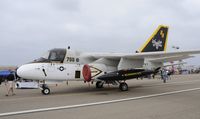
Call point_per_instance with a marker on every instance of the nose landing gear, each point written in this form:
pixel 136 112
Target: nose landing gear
pixel 45 90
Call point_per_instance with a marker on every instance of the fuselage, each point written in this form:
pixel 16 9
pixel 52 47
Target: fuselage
pixel 66 65
pixel 60 65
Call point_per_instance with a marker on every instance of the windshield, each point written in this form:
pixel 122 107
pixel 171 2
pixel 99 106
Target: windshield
pixel 45 55
pixel 57 55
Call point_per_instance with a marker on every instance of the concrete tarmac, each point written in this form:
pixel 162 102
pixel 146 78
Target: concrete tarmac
pixel 151 99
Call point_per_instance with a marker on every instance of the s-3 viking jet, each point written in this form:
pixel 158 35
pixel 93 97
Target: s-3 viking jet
pixel 59 65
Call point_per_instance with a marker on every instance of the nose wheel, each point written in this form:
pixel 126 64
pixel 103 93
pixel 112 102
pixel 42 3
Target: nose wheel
pixel 45 90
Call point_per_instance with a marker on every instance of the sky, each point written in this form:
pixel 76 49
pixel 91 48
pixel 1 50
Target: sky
pixel 28 28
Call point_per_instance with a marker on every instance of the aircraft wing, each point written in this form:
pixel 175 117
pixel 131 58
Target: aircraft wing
pixel 166 54
pixel 152 56
pixel 170 58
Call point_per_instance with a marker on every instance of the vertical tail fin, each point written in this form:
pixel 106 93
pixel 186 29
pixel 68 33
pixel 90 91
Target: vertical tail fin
pixel 157 41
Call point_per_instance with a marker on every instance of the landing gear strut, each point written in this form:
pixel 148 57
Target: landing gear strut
pixel 99 84
pixel 123 86
pixel 45 90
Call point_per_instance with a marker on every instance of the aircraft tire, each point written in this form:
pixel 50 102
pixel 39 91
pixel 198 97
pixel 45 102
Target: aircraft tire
pixel 99 84
pixel 45 91
pixel 123 86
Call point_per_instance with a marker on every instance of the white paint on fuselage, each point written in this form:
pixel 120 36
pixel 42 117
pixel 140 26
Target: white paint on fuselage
pixel 50 71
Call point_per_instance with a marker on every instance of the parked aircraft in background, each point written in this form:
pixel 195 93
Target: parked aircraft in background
pixel 113 68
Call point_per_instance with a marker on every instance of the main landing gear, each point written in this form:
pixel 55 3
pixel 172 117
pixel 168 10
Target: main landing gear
pixel 99 84
pixel 45 90
pixel 123 86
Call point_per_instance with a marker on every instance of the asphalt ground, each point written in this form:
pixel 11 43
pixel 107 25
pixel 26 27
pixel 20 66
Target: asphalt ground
pixel 179 98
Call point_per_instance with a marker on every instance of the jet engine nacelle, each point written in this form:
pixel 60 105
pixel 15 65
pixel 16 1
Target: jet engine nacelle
pixel 92 71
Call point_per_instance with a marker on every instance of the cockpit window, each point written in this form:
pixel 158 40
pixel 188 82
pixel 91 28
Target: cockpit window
pixel 45 55
pixel 53 56
pixel 57 55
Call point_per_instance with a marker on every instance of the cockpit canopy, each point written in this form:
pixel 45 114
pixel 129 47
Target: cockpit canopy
pixel 54 55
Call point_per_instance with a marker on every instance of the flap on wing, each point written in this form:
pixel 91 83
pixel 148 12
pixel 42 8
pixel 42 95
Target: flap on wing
pixel 170 58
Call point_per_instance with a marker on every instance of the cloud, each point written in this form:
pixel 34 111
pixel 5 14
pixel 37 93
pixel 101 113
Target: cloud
pixel 29 28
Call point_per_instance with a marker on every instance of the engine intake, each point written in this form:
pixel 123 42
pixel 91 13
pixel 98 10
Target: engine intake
pixel 87 73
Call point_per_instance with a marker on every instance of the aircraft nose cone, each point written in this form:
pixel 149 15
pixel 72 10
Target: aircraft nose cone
pixel 25 71
pixel 21 71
